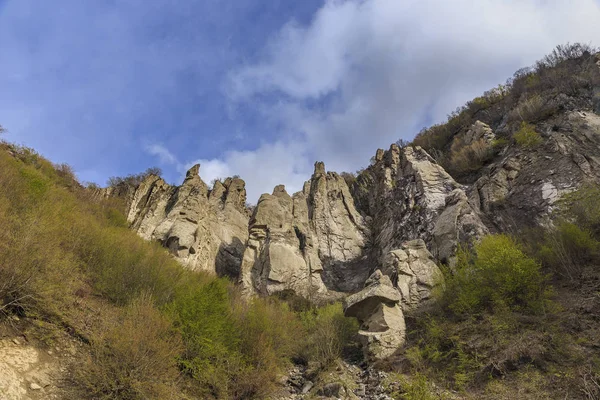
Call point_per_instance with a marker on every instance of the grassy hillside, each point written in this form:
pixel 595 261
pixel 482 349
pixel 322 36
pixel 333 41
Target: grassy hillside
pixel 149 328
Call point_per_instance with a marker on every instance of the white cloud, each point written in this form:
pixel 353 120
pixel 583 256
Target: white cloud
pixel 263 168
pixel 364 73
pixel 163 154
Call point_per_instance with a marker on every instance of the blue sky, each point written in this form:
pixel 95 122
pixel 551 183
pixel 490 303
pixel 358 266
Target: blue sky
pixel 259 88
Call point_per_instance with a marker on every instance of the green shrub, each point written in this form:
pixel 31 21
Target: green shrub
pixel 567 248
pixel 328 333
pixel 466 158
pixel 527 136
pixel 134 359
pixel 415 387
pixel 204 319
pixel 583 207
pixel 233 348
pixel 498 275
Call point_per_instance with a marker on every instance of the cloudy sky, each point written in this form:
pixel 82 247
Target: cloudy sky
pixel 259 88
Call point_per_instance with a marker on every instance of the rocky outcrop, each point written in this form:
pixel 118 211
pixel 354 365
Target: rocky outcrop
pixel 414 272
pixel 311 243
pixel 280 253
pixel 520 188
pixel 407 195
pixel 340 232
pixel 377 308
pixel 316 242
pixel 205 230
pixel 479 131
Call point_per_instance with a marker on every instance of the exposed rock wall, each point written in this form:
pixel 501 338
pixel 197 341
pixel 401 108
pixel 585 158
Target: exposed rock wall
pixel 316 242
pixel 312 242
pixel 521 186
pixel 409 196
pixel 205 230
pixel 327 239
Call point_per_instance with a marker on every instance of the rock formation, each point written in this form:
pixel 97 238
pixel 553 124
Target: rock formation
pixel 205 230
pixel 317 242
pixel 326 240
pixel 377 308
pixel 409 196
pixel 280 253
pixel 414 272
pixel 520 188
pixel 311 242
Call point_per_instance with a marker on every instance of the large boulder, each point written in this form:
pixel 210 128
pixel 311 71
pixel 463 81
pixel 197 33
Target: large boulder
pixel 377 308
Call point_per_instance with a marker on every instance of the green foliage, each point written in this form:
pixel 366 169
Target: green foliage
pixel 133 359
pixel 328 333
pixel 466 158
pixel 233 349
pixel 498 276
pixel 415 387
pixel 583 207
pixel 64 252
pixel 203 318
pixel 133 179
pixel 527 136
pixel 531 95
pixel 567 248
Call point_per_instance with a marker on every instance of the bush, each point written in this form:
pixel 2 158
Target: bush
pixel 468 158
pixel 532 109
pixel 133 180
pixel 583 207
pixel 568 248
pixel 233 348
pixel 497 276
pixel 204 319
pixel 527 136
pixel 134 359
pixel 328 333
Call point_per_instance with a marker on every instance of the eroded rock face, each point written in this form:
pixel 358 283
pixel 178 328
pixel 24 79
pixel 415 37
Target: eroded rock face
pixel 414 272
pixel 311 243
pixel 280 254
pixel 205 230
pixel 339 231
pixel 408 195
pixel 522 186
pixel 378 310
pixel 315 242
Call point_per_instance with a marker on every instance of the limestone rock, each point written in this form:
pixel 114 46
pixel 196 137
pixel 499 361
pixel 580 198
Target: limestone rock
pixel 521 188
pixel 205 230
pixel 378 310
pixel 311 243
pixel 414 272
pixel 409 196
pixel 340 232
pixel 479 131
pixel 279 253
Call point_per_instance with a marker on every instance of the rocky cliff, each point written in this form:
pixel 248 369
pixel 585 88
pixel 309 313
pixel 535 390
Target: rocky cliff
pixel 327 239
pixel 319 243
pixel 403 214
